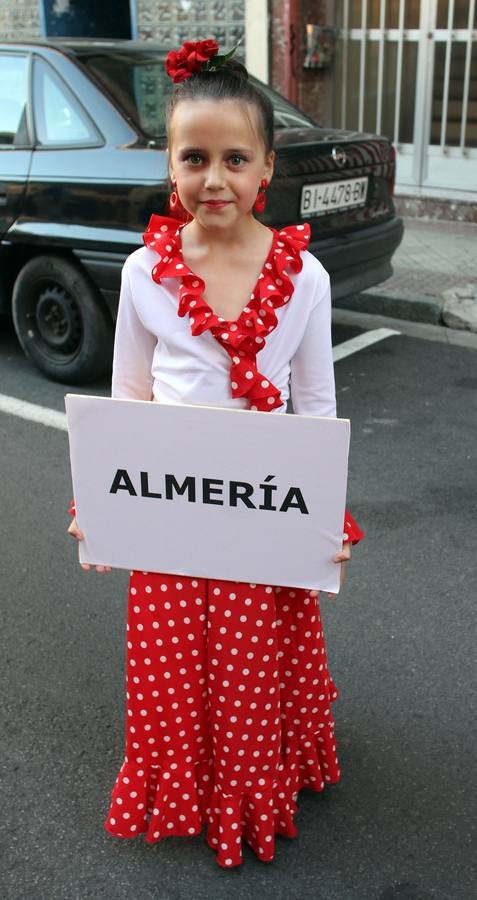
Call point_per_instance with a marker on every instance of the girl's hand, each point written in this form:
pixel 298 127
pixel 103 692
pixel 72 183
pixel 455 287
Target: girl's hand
pixel 78 534
pixel 340 558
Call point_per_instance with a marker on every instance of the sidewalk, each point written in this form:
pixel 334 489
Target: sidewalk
pixel 434 280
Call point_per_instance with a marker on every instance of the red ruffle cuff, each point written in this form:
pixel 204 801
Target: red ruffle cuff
pixel 351 529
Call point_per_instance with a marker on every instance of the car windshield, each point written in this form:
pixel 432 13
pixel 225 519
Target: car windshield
pixel 139 84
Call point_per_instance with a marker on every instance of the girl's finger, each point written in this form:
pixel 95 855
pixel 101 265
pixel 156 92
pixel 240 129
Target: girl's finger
pixel 75 532
pixel 331 596
pixel 342 556
pixel 101 569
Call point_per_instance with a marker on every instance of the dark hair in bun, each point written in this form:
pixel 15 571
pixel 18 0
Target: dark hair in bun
pixel 230 82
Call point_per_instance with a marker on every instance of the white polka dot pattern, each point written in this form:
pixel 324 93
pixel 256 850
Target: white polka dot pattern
pixel 228 713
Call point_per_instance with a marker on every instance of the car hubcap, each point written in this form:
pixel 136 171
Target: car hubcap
pixel 57 319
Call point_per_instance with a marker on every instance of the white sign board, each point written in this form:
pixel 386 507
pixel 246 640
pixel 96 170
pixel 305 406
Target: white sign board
pixel 209 492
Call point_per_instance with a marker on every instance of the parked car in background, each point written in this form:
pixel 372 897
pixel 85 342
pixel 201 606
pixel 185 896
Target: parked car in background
pixel 83 165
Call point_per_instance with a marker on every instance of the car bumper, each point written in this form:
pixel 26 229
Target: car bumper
pixel 361 259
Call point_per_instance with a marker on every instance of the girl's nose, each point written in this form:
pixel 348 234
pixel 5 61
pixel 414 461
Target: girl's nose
pixel 214 178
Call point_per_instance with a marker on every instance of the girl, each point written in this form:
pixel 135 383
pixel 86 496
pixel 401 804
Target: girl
pixel 228 690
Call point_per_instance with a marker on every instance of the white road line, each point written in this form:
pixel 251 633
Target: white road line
pixel 53 419
pixel 33 412
pixel 361 341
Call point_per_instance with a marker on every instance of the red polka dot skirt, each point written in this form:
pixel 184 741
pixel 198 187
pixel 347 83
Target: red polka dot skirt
pixel 228 713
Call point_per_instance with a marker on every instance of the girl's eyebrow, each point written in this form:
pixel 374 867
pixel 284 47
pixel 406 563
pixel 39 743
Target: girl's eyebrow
pixel 189 150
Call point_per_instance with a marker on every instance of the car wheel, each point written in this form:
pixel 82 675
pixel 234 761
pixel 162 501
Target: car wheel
pixel 60 321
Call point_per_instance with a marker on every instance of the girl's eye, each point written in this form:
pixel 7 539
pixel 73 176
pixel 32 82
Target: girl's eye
pixel 194 159
pixel 236 160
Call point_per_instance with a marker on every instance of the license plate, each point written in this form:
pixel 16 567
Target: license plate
pixel 318 199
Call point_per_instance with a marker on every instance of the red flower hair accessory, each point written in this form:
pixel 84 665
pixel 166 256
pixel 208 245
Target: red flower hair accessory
pixel 195 56
pixel 183 63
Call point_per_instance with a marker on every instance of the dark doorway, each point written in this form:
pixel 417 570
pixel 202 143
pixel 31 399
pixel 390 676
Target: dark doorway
pixel 87 18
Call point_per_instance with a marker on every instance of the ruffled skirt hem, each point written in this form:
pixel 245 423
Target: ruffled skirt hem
pixel 180 799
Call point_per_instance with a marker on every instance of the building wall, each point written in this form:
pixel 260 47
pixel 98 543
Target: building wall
pixel 19 19
pixel 171 21
pixel 311 89
pixel 168 21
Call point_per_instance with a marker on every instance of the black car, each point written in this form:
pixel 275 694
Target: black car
pixel 83 165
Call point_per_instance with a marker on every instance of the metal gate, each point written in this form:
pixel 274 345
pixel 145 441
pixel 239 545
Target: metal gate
pixel 408 69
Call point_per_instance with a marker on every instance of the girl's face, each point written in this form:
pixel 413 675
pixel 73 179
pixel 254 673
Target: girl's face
pixel 217 160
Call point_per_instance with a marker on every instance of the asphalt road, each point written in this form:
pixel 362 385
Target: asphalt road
pixel 401 638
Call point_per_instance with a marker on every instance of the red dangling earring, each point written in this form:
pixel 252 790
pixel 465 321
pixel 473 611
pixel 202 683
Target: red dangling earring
pixel 175 208
pixel 261 200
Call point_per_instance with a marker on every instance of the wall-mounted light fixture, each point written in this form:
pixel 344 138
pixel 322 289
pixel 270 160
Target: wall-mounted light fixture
pixel 320 46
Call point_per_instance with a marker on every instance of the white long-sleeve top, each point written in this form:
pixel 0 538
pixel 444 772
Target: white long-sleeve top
pixel 157 357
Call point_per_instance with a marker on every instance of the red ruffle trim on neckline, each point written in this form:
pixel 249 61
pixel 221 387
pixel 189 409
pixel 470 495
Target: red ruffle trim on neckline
pixel 244 337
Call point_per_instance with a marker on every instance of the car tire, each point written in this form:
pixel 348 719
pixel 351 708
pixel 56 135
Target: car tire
pixel 60 321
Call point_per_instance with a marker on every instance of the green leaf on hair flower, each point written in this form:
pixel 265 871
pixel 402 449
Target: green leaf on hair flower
pixel 216 62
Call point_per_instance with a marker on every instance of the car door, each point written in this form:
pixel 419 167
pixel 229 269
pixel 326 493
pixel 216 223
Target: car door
pixel 15 138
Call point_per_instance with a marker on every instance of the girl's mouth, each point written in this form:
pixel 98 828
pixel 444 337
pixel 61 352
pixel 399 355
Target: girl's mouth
pixel 215 204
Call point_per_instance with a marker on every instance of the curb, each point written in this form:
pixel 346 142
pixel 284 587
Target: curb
pixel 413 308
pixel 423 330
pixel 455 308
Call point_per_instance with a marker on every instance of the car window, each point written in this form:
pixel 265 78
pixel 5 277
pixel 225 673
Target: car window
pixel 59 118
pixel 284 114
pixel 139 84
pixel 13 99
